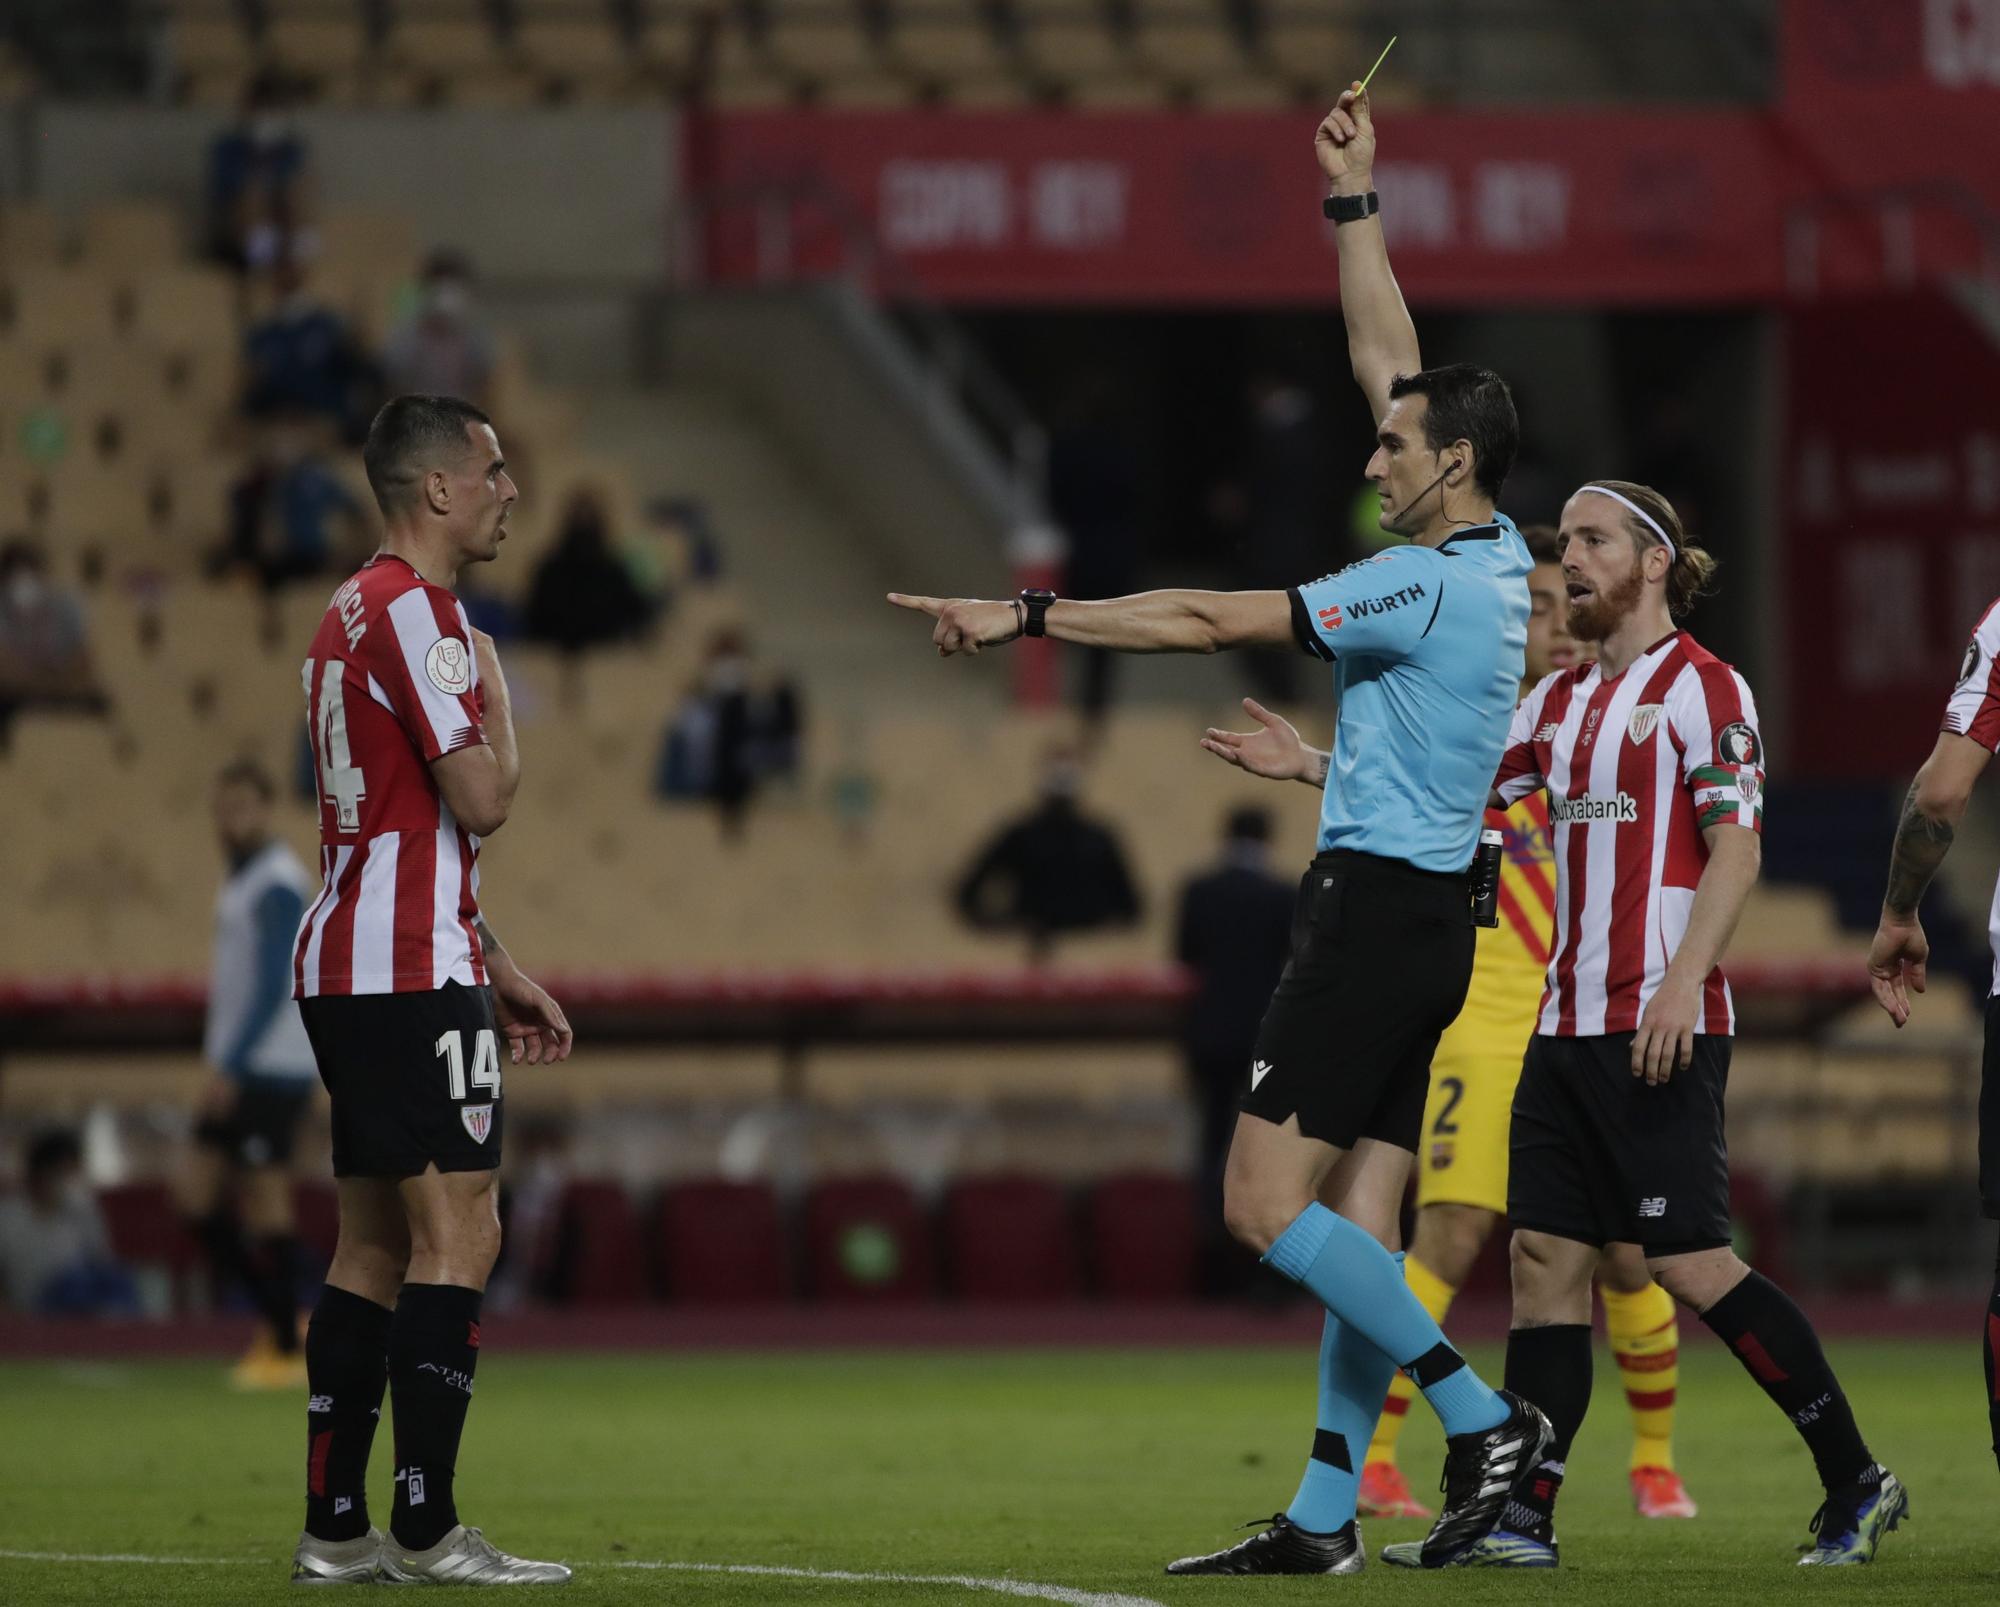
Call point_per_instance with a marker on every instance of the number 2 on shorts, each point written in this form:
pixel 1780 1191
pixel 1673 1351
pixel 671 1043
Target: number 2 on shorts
pixel 485 1061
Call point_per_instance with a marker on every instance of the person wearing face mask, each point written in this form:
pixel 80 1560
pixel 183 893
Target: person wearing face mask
pixel 44 640
pixel 442 348
pixel 301 359
pixel 1051 871
pixel 257 176
pixel 55 1255
pixel 290 517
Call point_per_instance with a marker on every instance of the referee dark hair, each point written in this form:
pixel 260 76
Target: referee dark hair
pixel 1425 645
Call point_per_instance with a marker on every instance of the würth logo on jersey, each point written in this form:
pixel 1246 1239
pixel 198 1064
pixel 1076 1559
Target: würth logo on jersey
pixel 1622 810
pixel 478 1121
pixel 1329 618
pixel 1363 607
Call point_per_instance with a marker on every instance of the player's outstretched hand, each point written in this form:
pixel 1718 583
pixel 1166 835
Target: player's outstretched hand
pixel 964 624
pixel 1274 750
pixel 536 1029
pixel 1896 963
pixel 1345 143
pixel 1664 1042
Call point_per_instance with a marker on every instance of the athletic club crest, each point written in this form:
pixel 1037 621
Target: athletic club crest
pixel 1645 721
pixel 478 1121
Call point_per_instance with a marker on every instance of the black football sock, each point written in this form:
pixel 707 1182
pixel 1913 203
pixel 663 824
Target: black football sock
pixel 1990 1353
pixel 1551 1367
pixel 433 1348
pixel 1777 1345
pixel 274 1283
pixel 347 1369
pixel 221 1240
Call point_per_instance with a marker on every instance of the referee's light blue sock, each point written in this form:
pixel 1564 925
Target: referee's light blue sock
pixel 1353 1373
pixel 1362 1284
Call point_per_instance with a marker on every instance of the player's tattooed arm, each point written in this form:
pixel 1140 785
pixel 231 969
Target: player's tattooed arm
pixel 497 958
pixel 1922 841
pixel 1899 956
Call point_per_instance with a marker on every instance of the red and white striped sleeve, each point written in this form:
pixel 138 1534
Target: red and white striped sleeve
pixel 1973 709
pixel 420 654
pixel 1520 772
pixel 1714 721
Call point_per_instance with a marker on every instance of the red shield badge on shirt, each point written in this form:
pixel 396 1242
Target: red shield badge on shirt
pixel 478 1121
pixel 1645 721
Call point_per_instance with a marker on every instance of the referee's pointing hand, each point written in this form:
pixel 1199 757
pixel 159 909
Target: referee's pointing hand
pixel 964 624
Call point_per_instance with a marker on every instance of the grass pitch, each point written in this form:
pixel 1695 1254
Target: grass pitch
pixel 1081 1470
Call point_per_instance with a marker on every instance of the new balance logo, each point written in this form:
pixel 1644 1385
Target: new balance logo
pixel 320 1403
pixel 1259 1070
pixel 1548 732
pixel 342 1503
pixel 1655 1205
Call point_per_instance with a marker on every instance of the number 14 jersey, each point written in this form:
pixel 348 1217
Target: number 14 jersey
pixel 391 684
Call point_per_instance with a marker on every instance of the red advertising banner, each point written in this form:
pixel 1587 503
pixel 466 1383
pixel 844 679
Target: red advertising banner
pixel 1891 513
pixel 1161 208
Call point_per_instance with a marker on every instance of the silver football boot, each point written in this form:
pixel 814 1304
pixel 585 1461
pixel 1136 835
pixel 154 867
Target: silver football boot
pixel 464 1557
pixel 337 1562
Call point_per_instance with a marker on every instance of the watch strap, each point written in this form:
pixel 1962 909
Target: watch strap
pixel 1351 208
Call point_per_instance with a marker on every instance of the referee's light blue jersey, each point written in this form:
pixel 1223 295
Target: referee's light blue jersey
pixel 1427 645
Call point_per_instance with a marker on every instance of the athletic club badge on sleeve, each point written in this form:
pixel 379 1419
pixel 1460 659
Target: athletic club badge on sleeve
pixel 478 1121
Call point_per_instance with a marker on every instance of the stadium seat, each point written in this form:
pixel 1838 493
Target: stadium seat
pixel 316 1204
pixel 867 1240
pixel 146 1231
pixel 601 1261
pixel 1144 1237
pixel 131 236
pixel 1010 1239
pixel 721 1243
pixel 48 305
pixel 30 233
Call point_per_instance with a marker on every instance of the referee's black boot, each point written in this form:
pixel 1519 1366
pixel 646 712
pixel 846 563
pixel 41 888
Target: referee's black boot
pixel 1283 1548
pixel 1480 1470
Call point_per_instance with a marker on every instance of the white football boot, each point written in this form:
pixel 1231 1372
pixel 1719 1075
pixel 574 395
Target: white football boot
pixel 464 1557
pixel 337 1562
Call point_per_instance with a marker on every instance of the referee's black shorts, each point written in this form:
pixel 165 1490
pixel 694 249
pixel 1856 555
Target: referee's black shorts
pixel 1599 1156
pixel 1381 958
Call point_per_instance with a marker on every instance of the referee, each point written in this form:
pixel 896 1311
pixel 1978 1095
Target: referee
pixel 1425 643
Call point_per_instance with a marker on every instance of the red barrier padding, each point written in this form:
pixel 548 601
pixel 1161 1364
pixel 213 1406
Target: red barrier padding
pixel 867 1240
pixel 1011 1239
pixel 721 1243
pixel 602 1262
pixel 1144 1237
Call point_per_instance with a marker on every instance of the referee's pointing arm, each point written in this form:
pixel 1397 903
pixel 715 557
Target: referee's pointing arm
pixel 1150 622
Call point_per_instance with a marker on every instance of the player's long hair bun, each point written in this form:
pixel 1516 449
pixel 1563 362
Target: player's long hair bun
pixel 1692 576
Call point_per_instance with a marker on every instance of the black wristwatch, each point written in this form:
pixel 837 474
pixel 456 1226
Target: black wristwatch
pixel 1035 608
pixel 1351 208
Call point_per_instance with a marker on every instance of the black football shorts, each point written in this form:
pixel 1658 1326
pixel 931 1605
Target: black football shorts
pixel 1601 1156
pixel 262 1126
pixel 1381 958
pixel 414 1079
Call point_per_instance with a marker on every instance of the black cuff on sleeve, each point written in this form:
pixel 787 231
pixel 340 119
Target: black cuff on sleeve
pixel 1302 628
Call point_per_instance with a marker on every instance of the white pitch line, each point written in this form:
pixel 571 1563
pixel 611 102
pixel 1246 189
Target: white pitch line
pixel 999 1587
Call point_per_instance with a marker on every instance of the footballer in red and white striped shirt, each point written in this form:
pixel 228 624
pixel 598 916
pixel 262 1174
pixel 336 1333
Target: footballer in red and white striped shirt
pixel 405 993
pixel 1637 767
pixel 1653 767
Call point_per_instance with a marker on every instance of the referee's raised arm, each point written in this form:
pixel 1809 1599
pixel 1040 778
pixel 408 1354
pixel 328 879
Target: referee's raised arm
pixel 1381 339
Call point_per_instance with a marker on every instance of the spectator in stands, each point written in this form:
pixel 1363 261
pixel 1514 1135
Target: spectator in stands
pixel 583 594
pixel 733 731
pixel 257 184
pixel 301 358
pixel 442 348
pixel 1285 509
pixel 55 1255
pixel 290 516
pixel 1234 934
pixel 44 640
pixel 1052 871
pixel 1094 497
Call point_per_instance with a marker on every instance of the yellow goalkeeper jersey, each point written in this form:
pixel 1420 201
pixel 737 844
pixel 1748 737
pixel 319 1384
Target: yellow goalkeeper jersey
pixel 1513 958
